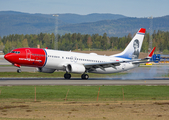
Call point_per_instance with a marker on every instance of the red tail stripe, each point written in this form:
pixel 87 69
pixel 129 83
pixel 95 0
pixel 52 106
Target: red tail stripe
pixel 142 30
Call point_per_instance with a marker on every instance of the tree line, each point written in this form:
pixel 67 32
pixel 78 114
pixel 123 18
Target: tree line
pixel 78 41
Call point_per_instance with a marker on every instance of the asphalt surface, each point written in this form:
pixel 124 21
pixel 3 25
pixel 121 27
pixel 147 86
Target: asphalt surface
pixel 76 81
pixel 14 69
pixel 4 62
pixel 138 76
pixel 6 66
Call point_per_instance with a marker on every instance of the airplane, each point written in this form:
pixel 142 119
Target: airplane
pixel 48 60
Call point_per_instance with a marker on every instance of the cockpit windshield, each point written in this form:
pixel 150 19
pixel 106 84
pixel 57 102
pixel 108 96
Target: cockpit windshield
pixel 17 52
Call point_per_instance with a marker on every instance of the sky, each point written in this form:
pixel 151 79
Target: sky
pixel 129 8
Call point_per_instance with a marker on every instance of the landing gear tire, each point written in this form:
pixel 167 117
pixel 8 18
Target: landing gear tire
pixel 85 76
pixel 18 70
pixel 67 76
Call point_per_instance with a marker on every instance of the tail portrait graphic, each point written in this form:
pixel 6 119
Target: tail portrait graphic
pixel 134 47
pixel 136 52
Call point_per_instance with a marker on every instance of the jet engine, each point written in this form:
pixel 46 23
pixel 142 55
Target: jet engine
pixel 46 70
pixel 75 68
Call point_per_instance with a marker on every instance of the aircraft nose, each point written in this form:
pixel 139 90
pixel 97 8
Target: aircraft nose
pixel 7 57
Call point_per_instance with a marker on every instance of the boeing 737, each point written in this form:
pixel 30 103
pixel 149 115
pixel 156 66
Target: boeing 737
pixel 47 60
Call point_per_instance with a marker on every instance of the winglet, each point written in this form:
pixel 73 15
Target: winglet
pixel 151 53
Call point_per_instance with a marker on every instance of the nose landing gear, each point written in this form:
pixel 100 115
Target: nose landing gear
pixel 17 65
pixel 19 70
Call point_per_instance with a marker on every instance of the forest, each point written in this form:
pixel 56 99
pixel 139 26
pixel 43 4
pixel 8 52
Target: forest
pixel 78 41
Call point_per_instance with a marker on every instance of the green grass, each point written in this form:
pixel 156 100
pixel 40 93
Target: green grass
pixel 55 74
pixel 85 93
pixel 6 65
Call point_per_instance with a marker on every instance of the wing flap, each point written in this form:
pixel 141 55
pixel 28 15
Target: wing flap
pixel 93 66
pixel 104 64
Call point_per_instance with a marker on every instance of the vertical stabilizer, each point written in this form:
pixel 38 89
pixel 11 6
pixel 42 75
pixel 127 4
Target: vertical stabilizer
pixel 132 50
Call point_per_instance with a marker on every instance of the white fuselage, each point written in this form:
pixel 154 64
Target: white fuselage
pixel 58 59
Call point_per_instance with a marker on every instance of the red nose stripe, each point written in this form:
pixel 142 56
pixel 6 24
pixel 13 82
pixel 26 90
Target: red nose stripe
pixel 33 57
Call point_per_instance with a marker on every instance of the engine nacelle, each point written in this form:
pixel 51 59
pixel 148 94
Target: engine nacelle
pixel 46 70
pixel 75 68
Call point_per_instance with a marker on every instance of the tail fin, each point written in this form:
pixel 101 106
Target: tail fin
pixel 132 51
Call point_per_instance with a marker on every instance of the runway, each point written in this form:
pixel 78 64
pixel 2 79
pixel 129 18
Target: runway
pixel 78 81
pixel 14 69
pixel 139 76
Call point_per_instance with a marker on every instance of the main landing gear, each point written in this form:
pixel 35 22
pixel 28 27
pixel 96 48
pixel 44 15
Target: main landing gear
pixel 83 76
pixel 67 76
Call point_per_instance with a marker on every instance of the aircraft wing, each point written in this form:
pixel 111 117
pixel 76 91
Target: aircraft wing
pixel 93 66
pixel 139 62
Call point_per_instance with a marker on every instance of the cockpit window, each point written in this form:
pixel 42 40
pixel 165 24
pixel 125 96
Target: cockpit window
pixel 17 52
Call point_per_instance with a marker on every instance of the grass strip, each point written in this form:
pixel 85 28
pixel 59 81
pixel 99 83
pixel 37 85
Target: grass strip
pixel 85 93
